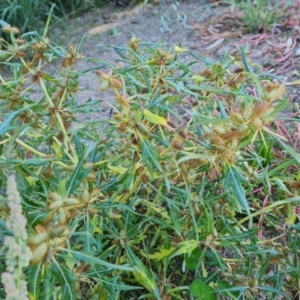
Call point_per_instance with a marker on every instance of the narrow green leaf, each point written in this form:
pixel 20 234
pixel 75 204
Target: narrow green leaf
pixel 62 188
pixel 22 183
pixel 149 153
pixel 91 259
pixel 190 156
pixel 233 179
pixel 141 273
pixel 275 291
pixel 79 174
pixel 186 247
pixel 245 61
pixel 34 281
pixel 161 253
pixel 6 125
pixel 66 280
pixel 289 150
pixel 282 166
pixel 223 288
pixel 4 24
pixel 278 108
pixel 29 162
pixel 211 89
pixel 240 289
pixel 281 185
pixel 48 20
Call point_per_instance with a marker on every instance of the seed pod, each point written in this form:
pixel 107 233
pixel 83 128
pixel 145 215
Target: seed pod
pixel 243 127
pixel 254 290
pixel 70 168
pixel 274 91
pixel 36 56
pixel 104 85
pixel 9 29
pixel 115 83
pixel 39 228
pixel 118 116
pixel 227 274
pixel 121 99
pixel 57 231
pixel 177 144
pixel 88 165
pixel 58 242
pixel 261 108
pixel 171 124
pixel 56 205
pixel 160 149
pixel 236 117
pixel 38 239
pixel 122 127
pixel 102 74
pixel 48 218
pixel 85 197
pixel 219 129
pixel 91 177
pixel 247 112
pixel 217 141
pixel 257 123
pixel 196 209
pixel 290 259
pixel 14 97
pixel 134 43
pixel 61 216
pixel 142 128
pixel 54 196
pixel 72 201
pixel 37 46
pixel 6 29
pixel 145 178
pixel 49 255
pixel 21 53
pixel 10 105
pixel 183 134
pixel 39 253
pixel 234 143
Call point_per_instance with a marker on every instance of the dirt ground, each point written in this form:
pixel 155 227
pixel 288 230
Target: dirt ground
pixel 204 28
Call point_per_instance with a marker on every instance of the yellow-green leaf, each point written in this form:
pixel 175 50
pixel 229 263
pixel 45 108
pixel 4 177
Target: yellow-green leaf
pixel 198 78
pixel 117 169
pixel 142 277
pixel 153 118
pixel 57 149
pixel 179 49
pixel 162 253
pixel 186 247
pixel 291 215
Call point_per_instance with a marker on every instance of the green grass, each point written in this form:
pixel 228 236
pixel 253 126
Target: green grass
pixel 261 15
pixel 189 191
pixel 30 15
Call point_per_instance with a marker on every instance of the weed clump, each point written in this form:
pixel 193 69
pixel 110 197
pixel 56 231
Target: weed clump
pixel 190 189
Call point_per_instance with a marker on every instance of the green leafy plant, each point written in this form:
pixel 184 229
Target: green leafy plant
pixel 261 15
pixel 182 193
pixel 29 15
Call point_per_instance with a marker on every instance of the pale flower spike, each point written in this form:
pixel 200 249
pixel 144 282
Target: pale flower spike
pixel 17 253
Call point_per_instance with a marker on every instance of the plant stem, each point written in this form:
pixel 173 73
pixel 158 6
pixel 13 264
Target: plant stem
pixel 68 143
